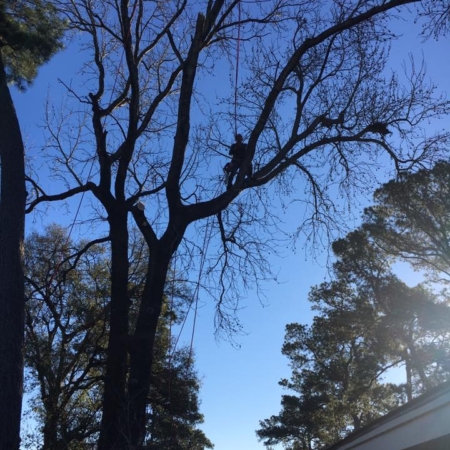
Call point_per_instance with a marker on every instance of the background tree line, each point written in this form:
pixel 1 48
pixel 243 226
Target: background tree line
pixel 369 322
pixel 67 307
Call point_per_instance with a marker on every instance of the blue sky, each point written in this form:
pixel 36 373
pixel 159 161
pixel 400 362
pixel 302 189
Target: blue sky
pixel 239 382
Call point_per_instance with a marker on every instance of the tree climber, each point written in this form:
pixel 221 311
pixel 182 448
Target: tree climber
pixel 237 151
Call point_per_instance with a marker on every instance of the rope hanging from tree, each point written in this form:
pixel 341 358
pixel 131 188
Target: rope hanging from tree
pixel 171 351
pixel 238 45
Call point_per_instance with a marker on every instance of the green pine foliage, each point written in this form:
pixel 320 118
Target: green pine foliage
pixel 411 220
pixel 30 33
pixel 368 321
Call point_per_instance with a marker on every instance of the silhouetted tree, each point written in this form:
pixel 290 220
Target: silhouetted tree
pixel 367 322
pixel 410 220
pixel 314 91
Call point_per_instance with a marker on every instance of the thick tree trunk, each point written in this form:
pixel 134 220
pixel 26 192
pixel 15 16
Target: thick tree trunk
pixel 114 432
pixel 50 431
pixel 142 345
pixel 12 307
pixel 124 413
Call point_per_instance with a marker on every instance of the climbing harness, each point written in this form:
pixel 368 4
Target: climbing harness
pixel 227 169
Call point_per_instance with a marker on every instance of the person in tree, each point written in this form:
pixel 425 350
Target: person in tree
pixel 237 151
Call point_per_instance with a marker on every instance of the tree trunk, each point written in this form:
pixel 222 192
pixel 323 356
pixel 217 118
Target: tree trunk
pixel 141 348
pixel 124 415
pixel 417 364
pixel 50 430
pixel 114 430
pixel 408 369
pixel 12 306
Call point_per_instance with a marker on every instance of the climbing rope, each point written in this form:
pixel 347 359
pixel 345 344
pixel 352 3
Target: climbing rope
pixel 236 81
pixel 206 241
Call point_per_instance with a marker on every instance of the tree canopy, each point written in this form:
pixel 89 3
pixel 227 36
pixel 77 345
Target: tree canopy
pixel 30 34
pixel 410 219
pixel 368 321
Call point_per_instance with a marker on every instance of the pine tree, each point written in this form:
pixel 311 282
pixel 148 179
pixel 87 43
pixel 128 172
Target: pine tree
pixel 30 33
pixel 367 322
pixel 410 220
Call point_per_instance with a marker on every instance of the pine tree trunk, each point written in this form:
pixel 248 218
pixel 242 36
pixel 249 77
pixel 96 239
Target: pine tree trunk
pixel 12 307
pixel 417 364
pixel 409 395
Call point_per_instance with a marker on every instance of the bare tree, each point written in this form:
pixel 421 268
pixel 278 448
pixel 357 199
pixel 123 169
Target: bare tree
pixel 437 19
pixel 319 113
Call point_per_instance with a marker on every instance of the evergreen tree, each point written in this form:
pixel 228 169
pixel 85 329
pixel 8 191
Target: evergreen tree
pixel 30 33
pixel 335 374
pixel 407 318
pixel 174 405
pixel 411 220
pixel 367 322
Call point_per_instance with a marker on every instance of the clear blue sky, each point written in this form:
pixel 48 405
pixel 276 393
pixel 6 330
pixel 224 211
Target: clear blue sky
pixel 239 385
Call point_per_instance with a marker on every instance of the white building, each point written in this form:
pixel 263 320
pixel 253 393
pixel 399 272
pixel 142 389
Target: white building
pixel 421 424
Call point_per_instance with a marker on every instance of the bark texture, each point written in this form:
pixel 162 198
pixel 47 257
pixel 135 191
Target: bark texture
pixel 12 214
